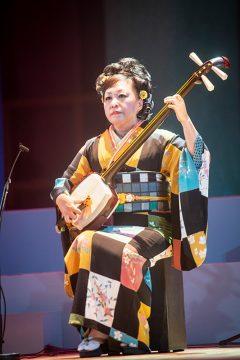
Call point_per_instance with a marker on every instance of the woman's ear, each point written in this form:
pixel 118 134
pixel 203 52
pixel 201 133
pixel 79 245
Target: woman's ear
pixel 140 104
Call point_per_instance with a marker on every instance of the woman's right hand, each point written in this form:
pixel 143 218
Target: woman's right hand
pixel 68 207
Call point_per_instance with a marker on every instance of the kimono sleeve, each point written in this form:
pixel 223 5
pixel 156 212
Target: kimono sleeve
pixel 75 172
pixel 189 201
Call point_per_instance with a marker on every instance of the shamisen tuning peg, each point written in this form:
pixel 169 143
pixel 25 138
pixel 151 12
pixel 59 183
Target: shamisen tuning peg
pixel 224 61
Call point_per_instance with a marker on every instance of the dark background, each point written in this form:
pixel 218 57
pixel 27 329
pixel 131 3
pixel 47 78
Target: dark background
pixel 52 51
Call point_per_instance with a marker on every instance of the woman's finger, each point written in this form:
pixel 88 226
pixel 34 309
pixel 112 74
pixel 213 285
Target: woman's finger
pixel 67 219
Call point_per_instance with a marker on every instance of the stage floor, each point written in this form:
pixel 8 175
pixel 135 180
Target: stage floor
pixel 191 353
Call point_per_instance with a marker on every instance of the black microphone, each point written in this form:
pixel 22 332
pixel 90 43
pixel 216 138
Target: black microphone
pixel 23 148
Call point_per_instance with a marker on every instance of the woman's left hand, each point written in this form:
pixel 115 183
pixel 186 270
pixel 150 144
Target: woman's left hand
pixel 177 103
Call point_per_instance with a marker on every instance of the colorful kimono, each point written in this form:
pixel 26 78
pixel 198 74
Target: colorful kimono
pixel 107 271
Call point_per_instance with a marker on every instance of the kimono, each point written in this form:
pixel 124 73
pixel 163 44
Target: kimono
pixel 107 271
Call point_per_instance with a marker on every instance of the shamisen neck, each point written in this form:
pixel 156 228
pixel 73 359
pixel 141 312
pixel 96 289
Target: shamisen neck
pixel 152 125
pixel 120 144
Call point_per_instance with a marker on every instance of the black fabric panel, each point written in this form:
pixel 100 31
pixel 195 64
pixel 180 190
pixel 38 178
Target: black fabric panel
pixel 175 219
pixel 111 251
pixel 80 291
pixel 72 166
pixel 91 153
pixel 167 320
pixel 144 292
pixel 73 281
pixel 151 155
pixel 191 203
pixel 66 243
pixel 126 168
pixel 130 219
pixel 126 320
pixel 187 261
pixel 149 243
pixel 204 201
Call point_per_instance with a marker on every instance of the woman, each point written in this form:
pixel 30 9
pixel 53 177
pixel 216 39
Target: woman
pixel 107 271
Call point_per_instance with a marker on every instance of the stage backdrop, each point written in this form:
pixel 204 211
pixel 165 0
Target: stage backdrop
pixel 162 34
pixel 1 143
pixel 53 51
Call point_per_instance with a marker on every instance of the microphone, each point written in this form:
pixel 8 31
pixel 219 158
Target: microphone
pixel 23 148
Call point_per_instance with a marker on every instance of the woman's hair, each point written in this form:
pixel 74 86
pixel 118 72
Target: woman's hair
pixel 129 68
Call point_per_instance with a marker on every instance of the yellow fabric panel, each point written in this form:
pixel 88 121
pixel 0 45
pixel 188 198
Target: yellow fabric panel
pixel 82 171
pixel 105 149
pixel 143 330
pixel 72 259
pixel 170 166
pixel 79 254
pixel 85 248
pixel 198 247
pixel 67 286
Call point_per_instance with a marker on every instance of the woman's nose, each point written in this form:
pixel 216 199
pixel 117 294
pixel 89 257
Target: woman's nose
pixel 114 102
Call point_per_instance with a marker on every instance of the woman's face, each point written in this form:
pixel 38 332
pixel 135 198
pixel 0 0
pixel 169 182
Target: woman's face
pixel 121 105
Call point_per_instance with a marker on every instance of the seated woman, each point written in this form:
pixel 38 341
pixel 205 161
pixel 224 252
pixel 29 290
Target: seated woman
pixel 162 213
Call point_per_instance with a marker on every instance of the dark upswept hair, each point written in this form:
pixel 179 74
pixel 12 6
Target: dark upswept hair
pixel 128 68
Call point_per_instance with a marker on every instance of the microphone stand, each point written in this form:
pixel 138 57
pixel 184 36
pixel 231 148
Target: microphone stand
pixel 10 356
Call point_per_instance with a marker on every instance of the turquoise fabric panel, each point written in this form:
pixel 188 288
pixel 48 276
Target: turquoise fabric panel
pixel 188 176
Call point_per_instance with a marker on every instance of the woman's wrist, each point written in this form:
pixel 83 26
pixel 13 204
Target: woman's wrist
pixel 62 196
pixel 185 121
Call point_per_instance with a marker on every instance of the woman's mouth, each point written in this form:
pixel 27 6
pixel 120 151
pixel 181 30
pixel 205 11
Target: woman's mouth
pixel 115 113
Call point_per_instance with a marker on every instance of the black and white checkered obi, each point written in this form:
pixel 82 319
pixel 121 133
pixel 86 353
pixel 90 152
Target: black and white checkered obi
pixel 143 190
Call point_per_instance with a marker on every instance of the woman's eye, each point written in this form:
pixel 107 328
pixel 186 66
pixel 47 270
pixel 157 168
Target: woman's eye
pixel 107 98
pixel 122 96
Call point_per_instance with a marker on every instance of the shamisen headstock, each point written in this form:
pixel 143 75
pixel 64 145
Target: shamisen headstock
pixel 213 64
pixel 197 77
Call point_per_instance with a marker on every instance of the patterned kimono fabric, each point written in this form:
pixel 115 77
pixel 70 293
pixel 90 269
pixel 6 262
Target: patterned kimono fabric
pixel 107 271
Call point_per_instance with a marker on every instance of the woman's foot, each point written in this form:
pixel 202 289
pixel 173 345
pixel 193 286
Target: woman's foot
pixel 91 345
